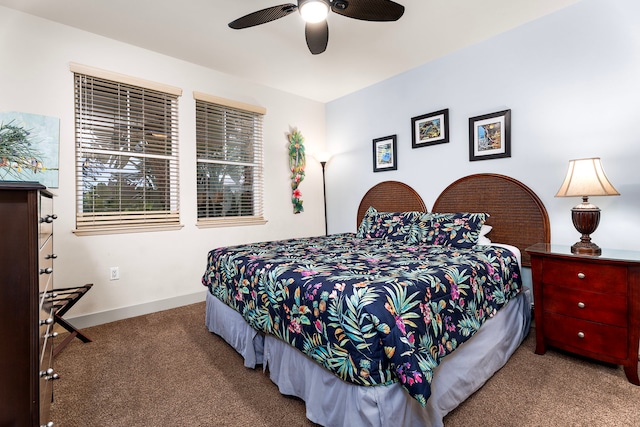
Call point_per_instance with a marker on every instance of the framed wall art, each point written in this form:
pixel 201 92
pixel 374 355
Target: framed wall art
pixel 430 129
pixel 490 136
pixel 29 148
pixel 385 157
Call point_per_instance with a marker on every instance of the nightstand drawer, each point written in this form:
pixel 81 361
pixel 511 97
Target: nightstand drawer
pixel 609 279
pixel 601 308
pixel 580 336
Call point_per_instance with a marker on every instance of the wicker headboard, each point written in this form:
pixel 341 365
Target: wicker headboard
pixel 517 215
pixel 390 196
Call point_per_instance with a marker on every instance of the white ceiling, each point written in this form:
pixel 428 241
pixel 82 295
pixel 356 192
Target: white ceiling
pixel 275 54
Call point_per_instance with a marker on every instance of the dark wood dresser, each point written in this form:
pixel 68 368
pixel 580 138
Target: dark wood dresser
pixel 26 320
pixel 588 305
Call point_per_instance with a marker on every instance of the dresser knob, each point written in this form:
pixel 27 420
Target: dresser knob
pixel 51 256
pixel 580 305
pixel 48 321
pixel 580 334
pixel 47 372
pixel 581 275
pixel 48 218
pixel 47 270
pixel 49 424
pixel 51 335
pixel 52 377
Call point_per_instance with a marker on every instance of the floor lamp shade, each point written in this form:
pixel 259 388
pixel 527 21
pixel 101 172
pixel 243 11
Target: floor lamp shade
pixel 585 178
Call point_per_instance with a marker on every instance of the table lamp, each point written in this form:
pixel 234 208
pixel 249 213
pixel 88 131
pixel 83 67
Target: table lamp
pixel 585 178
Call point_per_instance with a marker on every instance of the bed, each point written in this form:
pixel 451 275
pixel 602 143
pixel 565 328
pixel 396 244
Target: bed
pixel 384 327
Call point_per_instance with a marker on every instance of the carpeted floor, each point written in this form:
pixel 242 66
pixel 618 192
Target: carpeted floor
pixel 166 369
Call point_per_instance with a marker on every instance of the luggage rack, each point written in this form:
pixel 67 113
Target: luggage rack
pixel 63 300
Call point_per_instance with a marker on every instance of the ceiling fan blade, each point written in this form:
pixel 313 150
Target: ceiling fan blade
pixel 263 16
pixel 317 36
pixel 368 10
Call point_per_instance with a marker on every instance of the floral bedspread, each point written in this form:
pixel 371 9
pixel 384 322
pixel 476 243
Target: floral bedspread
pixel 372 311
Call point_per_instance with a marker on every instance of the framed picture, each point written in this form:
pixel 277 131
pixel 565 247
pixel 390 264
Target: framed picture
pixel 490 136
pixel 430 129
pixel 385 157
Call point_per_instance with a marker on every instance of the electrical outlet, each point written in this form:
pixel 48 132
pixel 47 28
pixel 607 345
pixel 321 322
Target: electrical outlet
pixel 114 273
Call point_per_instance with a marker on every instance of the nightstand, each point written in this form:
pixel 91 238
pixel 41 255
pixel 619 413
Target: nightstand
pixel 588 305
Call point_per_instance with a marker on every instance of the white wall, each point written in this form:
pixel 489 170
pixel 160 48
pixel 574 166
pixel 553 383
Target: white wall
pixel 157 269
pixel 571 79
pixel 572 82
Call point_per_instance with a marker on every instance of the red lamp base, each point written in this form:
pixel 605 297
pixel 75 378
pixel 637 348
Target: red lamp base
pixel 586 218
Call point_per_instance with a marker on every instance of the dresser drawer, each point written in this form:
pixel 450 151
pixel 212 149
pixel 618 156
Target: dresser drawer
pixel 46 395
pixel 45 228
pixel 46 320
pixel 594 277
pixel 46 378
pixel 45 265
pixel 580 335
pixel 601 308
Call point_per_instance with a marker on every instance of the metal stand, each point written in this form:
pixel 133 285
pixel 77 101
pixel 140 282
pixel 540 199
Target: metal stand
pixel 63 300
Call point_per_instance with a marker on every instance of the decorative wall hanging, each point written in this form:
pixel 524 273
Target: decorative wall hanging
pixel 430 129
pixel 384 154
pixel 490 136
pixel 29 148
pixel 297 163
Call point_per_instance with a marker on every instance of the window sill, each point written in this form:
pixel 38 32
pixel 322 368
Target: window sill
pixel 123 230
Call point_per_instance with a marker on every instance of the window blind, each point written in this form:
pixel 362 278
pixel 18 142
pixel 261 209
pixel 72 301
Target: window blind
pixel 126 156
pixel 229 163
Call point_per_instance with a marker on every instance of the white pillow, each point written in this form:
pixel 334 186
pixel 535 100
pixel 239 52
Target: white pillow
pixel 482 238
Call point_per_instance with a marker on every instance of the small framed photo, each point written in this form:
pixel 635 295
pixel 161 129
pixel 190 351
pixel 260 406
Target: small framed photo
pixel 430 129
pixel 490 136
pixel 385 157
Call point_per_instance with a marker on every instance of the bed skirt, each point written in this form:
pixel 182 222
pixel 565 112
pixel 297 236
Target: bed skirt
pixel 229 324
pixel 332 402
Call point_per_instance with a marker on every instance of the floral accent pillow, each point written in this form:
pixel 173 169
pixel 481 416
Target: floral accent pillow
pixel 460 230
pixel 401 226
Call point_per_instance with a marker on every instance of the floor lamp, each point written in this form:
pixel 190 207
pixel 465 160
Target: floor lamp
pixel 323 158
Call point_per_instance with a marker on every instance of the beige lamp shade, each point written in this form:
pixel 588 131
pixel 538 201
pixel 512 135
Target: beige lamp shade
pixel 322 156
pixel 586 177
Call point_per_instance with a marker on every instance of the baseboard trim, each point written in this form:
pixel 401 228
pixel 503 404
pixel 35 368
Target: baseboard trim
pixel 95 319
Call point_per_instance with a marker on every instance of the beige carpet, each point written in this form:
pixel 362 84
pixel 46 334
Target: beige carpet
pixel 166 369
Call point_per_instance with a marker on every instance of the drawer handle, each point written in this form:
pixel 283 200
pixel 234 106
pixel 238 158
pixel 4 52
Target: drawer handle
pixel 581 275
pixel 47 270
pixel 51 335
pixel 49 424
pixel 581 305
pixel 51 256
pixel 580 334
pixel 50 295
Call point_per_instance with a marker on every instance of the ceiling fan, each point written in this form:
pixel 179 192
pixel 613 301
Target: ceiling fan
pixel 314 13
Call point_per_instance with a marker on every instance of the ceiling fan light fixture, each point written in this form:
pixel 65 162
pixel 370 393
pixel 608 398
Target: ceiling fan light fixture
pixel 313 11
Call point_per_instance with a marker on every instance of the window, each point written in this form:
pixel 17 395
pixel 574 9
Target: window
pixel 126 153
pixel 229 162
